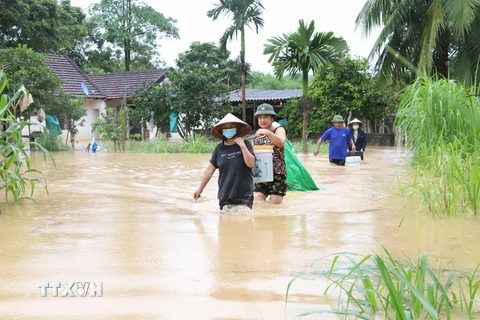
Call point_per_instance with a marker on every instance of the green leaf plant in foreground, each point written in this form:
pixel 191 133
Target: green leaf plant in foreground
pixel 17 175
pixel 378 286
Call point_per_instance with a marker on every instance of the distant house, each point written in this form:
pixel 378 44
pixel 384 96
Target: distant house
pixel 99 90
pixel 110 89
pixel 255 97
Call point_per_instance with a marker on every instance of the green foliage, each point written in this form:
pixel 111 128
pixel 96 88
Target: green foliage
pixel 440 122
pixel 70 111
pixel 152 100
pixel 244 13
pixel 130 25
pixel 27 68
pixel 195 93
pixel 106 60
pixel 200 144
pixel 437 36
pixel 303 51
pixel 51 142
pixel 112 126
pixel 374 286
pixel 42 25
pixel 293 114
pixel 208 55
pixel 259 80
pixel 348 89
pixel 16 172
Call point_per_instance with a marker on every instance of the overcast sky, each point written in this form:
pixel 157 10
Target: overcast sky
pixel 280 17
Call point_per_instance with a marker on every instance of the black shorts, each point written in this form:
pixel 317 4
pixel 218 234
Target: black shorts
pixel 340 162
pixel 277 187
pixel 237 202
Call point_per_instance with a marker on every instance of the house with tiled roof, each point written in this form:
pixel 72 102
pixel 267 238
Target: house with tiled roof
pixel 109 89
pixel 98 90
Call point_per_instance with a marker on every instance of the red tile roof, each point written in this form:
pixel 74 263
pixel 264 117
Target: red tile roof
pixel 100 86
pixel 115 84
pixel 72 77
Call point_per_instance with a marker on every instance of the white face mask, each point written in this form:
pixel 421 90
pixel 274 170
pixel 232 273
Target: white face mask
pixel 355 127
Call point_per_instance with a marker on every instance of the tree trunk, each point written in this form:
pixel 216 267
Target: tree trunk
pixel 127 59
pixel 440 58
pixel 305 113
pixel 243 76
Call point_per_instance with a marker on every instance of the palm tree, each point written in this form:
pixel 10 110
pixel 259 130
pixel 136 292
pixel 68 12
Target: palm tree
pixel 433 35
pixel 244 13
pixel 303 51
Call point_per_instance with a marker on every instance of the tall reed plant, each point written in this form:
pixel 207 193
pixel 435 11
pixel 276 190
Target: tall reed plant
pixel 378 286
pixel 440 122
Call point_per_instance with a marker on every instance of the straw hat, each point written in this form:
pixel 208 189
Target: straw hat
pixel 242 127
pixel 355 120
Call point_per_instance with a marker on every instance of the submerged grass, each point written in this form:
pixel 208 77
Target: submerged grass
pixel 379 286
pixel 440 122
pixel 199 144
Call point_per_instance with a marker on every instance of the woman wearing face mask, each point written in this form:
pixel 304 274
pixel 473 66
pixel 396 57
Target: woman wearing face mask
pixel 358 135
pixel 234 159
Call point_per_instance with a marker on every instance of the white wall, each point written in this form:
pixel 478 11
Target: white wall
pixel 94 108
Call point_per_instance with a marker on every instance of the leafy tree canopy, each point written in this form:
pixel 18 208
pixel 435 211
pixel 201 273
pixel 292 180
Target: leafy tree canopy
pixel 43 25
pixel 436 36
pixel 26 67
pixel 208 55
pixel 195 96
pixel 349 90
pixel 259 80
pixel 130 25
pixel 152 101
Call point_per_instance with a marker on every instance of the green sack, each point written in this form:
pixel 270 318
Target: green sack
pixel 53 125
pixel 298 178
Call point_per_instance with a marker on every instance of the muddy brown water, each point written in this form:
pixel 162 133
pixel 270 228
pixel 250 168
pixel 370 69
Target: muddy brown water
pixel 129 222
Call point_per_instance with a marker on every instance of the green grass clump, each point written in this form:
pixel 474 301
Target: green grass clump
pixel 51 143
pixel 375 286
pixel 440 122
pixel 198 144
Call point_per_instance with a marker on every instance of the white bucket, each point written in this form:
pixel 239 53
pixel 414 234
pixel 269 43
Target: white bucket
pixel 352 161
pixel 263 169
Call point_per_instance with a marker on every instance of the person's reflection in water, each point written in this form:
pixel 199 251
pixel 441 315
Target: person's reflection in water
pixel 250 251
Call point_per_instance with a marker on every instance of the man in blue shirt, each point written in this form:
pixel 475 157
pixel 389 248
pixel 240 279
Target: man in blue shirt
pixel 339 137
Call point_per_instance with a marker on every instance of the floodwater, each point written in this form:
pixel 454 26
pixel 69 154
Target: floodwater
pixel 128 221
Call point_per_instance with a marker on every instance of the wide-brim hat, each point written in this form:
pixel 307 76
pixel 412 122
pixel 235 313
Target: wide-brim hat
pixel 338 118
pixel 242 127
pixel 265 108
pixel 355 120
